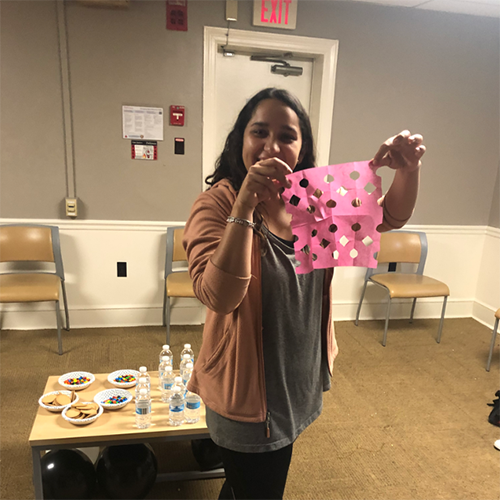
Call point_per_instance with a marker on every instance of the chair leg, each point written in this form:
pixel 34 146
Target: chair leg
pixel 384 341
pixel 65 300
pixel 360 302
pixel 164 304
pixel 492 345
pixel 413 309
pixel 442 319
pixel 167 319
pixel 58 319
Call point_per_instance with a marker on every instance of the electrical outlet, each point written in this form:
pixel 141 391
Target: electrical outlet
pixel 121 269
pixel 71 207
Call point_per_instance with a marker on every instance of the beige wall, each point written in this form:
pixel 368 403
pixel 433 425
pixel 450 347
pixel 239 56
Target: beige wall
pixel 432 72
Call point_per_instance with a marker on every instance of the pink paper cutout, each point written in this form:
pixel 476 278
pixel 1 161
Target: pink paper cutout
pixel 328 229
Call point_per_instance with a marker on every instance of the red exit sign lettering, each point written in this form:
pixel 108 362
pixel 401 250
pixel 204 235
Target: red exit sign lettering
pixel 275 13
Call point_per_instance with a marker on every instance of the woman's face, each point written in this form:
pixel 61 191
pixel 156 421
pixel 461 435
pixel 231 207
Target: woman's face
pixel 273 131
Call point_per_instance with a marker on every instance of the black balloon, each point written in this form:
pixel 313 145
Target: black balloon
pixel 67 474
pixel 127 471
pixel 206 453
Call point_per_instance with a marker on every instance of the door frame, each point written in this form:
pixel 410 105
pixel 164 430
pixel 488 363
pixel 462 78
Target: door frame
pixel 324 53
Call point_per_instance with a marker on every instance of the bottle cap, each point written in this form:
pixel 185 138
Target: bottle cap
pixel 187 356
pixel 166 347
pixel 178 379
pixel 176 388
pixel 143 392
pixel 143 369
pixel 168 368
pixel 143 380
pixel 187 346
pixel 189 365
pixel 164 358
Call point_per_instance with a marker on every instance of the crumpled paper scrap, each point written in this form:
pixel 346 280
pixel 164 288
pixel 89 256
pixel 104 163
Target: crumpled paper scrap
pixel 335 215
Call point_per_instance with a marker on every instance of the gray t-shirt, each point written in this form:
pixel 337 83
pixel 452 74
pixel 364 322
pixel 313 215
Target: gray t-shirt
pixel 295 367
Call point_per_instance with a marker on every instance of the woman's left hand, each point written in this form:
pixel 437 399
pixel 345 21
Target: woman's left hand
pixel 403 151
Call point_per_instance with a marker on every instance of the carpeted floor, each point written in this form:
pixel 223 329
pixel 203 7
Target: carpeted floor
pixel 408 421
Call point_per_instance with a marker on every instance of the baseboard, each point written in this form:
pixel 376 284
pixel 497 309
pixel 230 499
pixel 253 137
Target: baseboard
pixel 484 313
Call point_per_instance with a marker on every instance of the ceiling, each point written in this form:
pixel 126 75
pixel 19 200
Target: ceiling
pixel 490 8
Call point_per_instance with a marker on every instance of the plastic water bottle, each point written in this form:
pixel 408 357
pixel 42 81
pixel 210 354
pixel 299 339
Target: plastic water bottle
pixel 176 407
pixel 164 363
pixel 142 383
pixel 167 352
pixel 143 409
pixel 185 360
pixel 178 383
pixel 187 350
pixel 186 374
pixel 193 401
pixel 144 373
pixel 167 382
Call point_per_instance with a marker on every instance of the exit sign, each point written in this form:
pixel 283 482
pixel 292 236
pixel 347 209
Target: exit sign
pixel 275 13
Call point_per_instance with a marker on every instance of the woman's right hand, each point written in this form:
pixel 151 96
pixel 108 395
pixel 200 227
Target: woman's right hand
pixel 262 182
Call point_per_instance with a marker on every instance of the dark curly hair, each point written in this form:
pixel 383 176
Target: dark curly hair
pixel 230 164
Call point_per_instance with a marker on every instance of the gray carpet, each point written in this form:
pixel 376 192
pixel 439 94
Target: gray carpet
pixel 408 421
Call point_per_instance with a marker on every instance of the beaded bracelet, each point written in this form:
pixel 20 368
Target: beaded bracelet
pixel 243 222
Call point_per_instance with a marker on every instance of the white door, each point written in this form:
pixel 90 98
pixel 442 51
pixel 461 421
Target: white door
pixel 238 78
pixel 228 82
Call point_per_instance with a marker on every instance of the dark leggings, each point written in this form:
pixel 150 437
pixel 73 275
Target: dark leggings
pixel 254 476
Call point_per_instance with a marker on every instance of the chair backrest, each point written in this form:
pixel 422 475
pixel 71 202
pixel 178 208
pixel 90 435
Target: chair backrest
pixel 402 247
pixel 175 251
pixel 31 243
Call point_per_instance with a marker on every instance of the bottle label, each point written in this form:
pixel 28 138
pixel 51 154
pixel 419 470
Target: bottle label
pixel 167 386
pixel 193 406
pixel 178 408
pixel 143 411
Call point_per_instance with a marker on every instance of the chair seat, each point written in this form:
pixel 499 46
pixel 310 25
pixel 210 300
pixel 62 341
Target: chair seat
pixel 179 285
pixel 411 285
pixel 497 314
pixel 29 287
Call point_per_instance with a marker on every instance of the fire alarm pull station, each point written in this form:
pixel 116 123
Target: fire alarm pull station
pixel 177 114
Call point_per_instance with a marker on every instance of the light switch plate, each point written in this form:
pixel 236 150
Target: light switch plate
pixel 71 207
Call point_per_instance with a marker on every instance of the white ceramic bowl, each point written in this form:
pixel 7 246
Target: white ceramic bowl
pixel 120 373
pixel 101 397
pixel 82 421
pixel 76 375
pixel 57 409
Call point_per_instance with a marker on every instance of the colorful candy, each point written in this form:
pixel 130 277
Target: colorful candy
pixel 77 381
pixel 115 400
pixel 122 379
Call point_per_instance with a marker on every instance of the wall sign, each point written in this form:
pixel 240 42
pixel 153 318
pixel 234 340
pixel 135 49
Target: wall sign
pixel 177 15
pixel 177 114
pixel 275 13
pixel 144 150
pixel 142 123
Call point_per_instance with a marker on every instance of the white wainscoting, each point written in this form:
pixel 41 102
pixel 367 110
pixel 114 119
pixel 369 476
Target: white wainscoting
pixel 465 257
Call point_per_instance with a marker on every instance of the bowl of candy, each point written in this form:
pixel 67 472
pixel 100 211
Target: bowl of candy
pixel 113 399
pixel 76 381
pixel 82 413
pixel 56 401
pixel 124 378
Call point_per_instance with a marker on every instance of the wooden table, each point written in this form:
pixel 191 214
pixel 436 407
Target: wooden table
pixel 114 427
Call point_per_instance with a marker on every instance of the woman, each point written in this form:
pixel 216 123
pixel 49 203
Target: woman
pixel 268 342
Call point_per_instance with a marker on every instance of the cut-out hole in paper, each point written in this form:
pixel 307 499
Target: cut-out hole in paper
pixel 335 255
pixel 329 178
pixel 294 200
pixel 355 175
pixel 331 203
pixel 324 243
pixel 318 193
pixel 369 188
pixel 344 241
pixel 314 232
pixel 367 241
pixel 342 191
pixel 314 256
pixel 332 228
pixel 304 183
pixel 295 238
pixel 311 209
pixel 353 253
pixel 306 249
pixel 356 202
pixel 356 227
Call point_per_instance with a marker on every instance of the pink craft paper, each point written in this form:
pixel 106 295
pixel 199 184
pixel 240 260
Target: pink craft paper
pixel 329 230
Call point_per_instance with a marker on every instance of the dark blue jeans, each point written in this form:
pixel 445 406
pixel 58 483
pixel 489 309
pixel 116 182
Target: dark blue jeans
pixel 255 476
